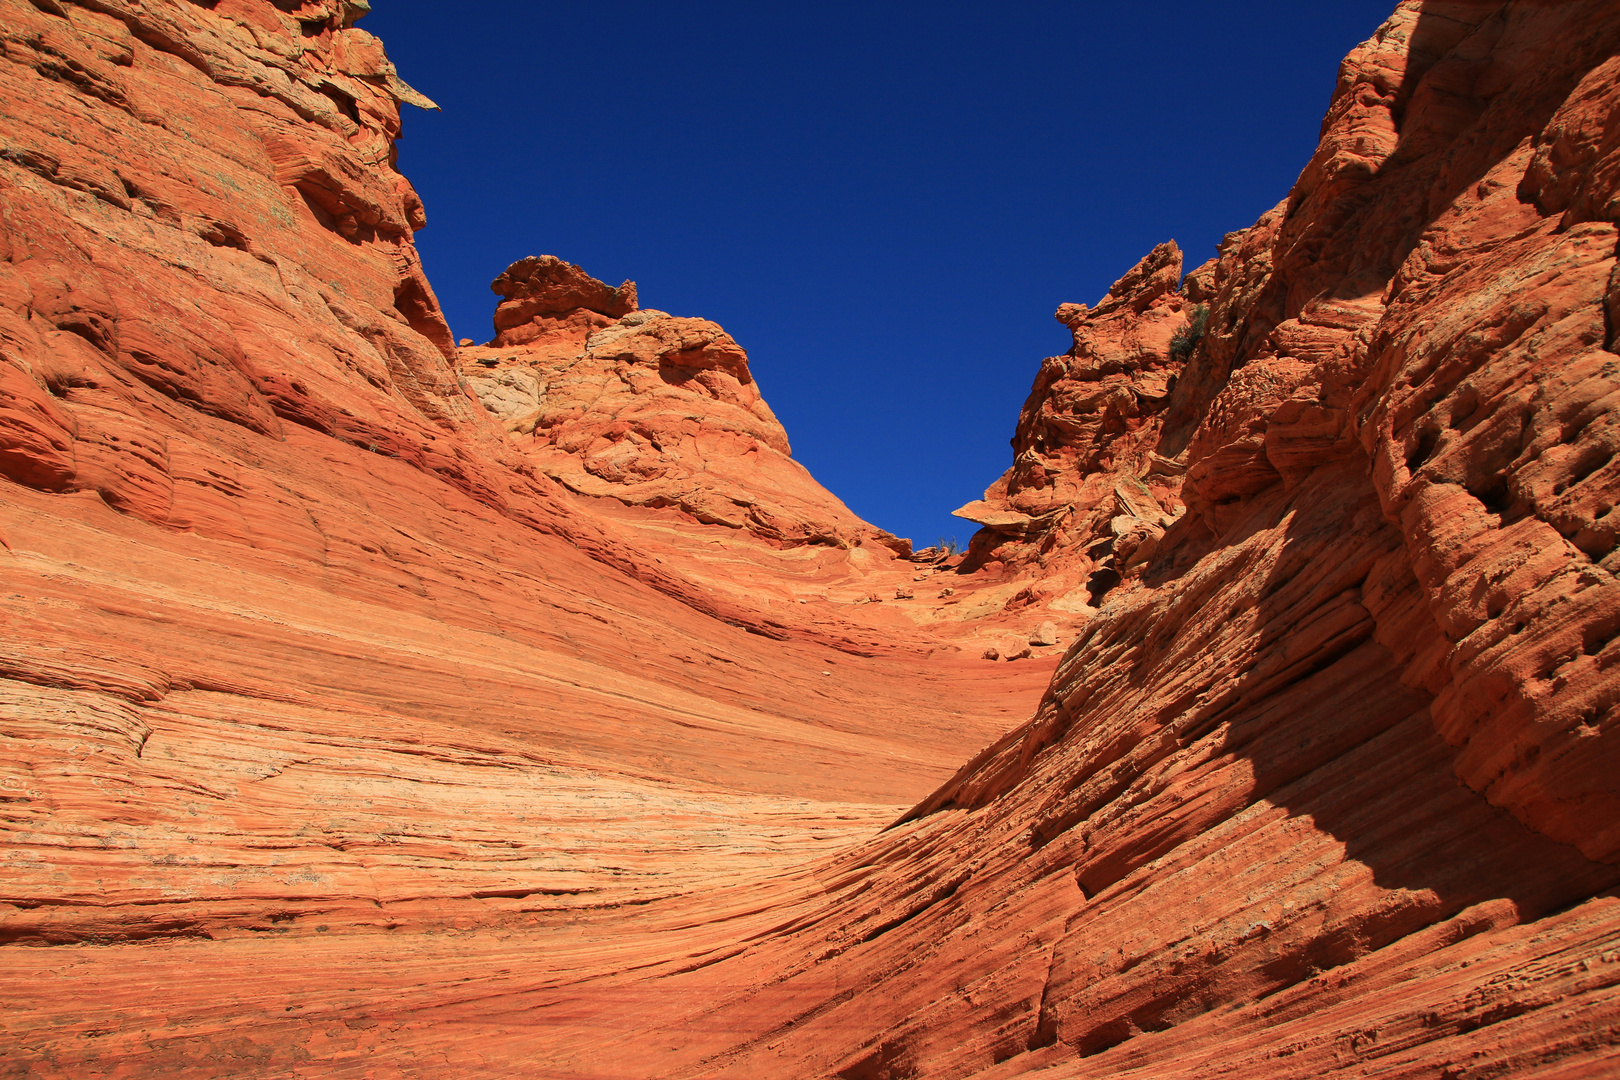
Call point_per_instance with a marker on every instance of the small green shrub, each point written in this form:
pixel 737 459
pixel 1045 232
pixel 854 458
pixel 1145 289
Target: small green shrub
pixel 949 546
pixel 1187 338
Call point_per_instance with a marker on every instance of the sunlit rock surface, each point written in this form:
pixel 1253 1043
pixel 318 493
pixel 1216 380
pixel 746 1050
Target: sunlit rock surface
pixel 368 708
pixel 648 409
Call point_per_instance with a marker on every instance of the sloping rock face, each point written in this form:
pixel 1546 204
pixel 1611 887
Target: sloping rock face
pixel 646 408
pixel 337 737
pixel 1328 785
pixel 320 705
pixel 200 219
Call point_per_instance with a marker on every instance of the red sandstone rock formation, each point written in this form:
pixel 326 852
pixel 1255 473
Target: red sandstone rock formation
pixel 338 737
pixel 1088 498
pixel 646 408
pixel 1329 786
pixel 302 658
pixel 544 298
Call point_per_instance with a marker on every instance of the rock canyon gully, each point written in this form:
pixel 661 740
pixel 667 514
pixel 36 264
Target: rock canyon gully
pixel 375 706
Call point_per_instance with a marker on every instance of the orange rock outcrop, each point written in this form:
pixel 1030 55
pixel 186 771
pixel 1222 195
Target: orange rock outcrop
pixel 646 408
pixel 373 706
pixel 1088 497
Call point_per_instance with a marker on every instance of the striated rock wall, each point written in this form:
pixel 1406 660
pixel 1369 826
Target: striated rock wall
pixel 483 753
pixel 1429 295
pixel 1326 783
pixel 201 217
pixel 321 707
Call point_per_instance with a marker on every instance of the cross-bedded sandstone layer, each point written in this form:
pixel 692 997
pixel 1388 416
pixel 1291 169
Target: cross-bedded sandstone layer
pixel 300 651
pixel 351 724
pixel 1326 784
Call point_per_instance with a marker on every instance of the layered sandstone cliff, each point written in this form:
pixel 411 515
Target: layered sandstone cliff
pixel 1327 784
pixel 373 705
pixel 303 658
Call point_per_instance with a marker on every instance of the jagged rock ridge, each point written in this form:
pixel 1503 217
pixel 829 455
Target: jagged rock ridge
pixel 641 406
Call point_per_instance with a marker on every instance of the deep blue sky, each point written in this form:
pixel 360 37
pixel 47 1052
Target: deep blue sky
pixel 882 202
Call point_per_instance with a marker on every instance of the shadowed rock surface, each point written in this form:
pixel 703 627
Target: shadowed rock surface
pixel 371 705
